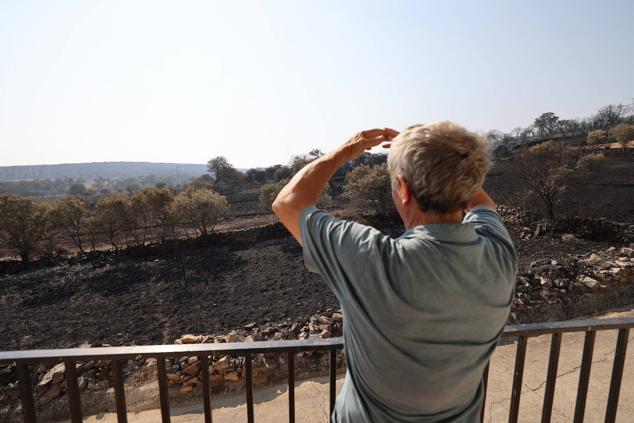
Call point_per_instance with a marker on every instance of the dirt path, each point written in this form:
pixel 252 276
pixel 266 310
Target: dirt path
pixel 312 395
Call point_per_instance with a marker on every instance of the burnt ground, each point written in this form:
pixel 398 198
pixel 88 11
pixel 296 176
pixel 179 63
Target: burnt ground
pixel 132 301
pixel 607 192
pixel 129 300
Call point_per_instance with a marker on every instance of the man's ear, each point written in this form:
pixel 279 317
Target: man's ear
pixel 404 190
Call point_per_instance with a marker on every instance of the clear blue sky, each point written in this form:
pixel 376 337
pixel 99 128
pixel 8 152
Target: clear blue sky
pixel 259 81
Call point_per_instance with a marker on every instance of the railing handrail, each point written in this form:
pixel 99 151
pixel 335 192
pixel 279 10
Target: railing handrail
pixel 163 351
pixel 546 328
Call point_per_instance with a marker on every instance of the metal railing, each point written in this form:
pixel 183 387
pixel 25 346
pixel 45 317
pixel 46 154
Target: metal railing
pixel 116 355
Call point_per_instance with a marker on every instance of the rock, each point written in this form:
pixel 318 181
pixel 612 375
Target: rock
pixel 567 237
pixel 52 393
pixel 232 336
pixel 185 389
pixel 53 375
pixel 250 326
pixel 173 377
pixel 192 359
pixel 248 338
pixel 208 339
pixel 232 376
pixel 192 369
pixel 191 381
pixel 324 320
pixel 626 251
pixel 188 339
pixel 222 364
pixel 590 282
pixel 545 282
pixel 541 262
pixel 269 331
pixel 326 333
pixel 337 317
pixel 82 382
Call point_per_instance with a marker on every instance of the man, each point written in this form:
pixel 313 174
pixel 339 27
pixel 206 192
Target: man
pixel 423 312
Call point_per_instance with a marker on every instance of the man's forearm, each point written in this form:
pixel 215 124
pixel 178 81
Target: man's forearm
pixel 481 198
pixel 306 186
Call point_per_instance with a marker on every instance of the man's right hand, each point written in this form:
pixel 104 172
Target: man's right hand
pixel 365 140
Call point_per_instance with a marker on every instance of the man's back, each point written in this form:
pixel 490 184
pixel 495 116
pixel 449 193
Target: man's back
pixel 422 312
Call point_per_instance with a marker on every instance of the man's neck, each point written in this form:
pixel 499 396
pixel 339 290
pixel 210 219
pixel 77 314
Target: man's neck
pixel 418 218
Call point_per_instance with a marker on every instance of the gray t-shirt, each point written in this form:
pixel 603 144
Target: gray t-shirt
pixel 422 313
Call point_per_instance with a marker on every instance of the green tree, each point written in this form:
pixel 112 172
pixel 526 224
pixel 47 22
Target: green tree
pixel 369 187
pixel 159 203
pixel 52 228
pixel 21 226
pixel 77 189
pixel 201 209
pixel 111 214
pixel 226 176
pixel 71 215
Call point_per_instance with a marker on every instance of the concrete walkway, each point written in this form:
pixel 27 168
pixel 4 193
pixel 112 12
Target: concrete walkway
pixel 312 395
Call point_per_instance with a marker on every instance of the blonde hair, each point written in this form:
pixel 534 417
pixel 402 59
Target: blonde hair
pixel 443 164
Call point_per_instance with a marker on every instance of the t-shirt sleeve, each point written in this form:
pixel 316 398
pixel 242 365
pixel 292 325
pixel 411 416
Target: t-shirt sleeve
pixel 338 249
pixel 488 223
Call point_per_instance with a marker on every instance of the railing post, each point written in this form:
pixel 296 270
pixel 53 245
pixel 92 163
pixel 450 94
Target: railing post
pixel 163 389
pixel 249 386
pixel 26 393
pixel 617 374
pixel 584 376
pixel 119 392
pixel 204 369
pixel 485 381
pixel 551 378
pixel 291 386
pixel 72 390
pixel 518 375
pixel 333 380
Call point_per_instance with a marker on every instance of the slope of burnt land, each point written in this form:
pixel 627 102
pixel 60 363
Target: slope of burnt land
pixel 127 300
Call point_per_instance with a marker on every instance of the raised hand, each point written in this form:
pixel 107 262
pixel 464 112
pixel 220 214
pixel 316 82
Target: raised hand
pixel 365 140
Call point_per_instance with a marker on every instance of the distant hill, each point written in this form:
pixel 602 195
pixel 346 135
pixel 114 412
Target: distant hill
pixel 107 170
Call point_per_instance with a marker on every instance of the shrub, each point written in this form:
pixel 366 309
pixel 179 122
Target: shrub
pixel 623 132
pixel 595 137
pixel 201 209
pixel 370 188
pixel 21 226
